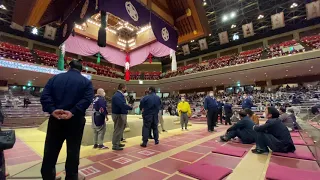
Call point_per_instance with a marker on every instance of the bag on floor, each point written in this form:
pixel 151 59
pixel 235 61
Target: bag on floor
pixel 7 139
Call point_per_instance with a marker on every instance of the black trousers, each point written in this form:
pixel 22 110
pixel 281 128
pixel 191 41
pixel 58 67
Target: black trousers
pixel 243 135
pixel 150 122
pixel 212 116
pixel 2 166
pixel 58 131
pixel 220 114
pixel 265 140
pixel 228 119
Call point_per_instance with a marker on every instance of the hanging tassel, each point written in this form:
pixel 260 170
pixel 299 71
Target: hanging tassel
pixel 98 58
pixel 102 34
pixel 127 68
pixel 150 58
pixel 173 60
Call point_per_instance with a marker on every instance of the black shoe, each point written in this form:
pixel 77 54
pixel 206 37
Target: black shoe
pixel 156 142
pixel 210 131
pixel 164 131
pixel 224 138
pixel 117 148
pixel 95 146
pixel 102 147
pixel 258 151
pixel 143 145
pixel 122 145
pixel 123 140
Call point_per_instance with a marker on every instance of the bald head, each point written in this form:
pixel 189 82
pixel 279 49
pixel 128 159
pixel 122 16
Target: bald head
pixel 101 92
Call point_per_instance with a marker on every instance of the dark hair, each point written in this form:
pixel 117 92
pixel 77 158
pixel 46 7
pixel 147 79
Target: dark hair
pixel 283 109
pixel 242 113
pixel 121 86
pixel 291 111
pixel 273 111
pixel 152 89
pixel 249 111
pixel 76 64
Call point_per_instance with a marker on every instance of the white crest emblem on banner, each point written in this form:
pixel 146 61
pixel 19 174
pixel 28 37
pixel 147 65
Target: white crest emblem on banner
pixel 186 49
pixel 65 29
pixel 203 44
pixel 50 32
pixel 165 34
pixel 277 20
pixel 84 9
pixel 131 10
pixel 223 36
pixel 247 30
pixel 313 9
pixel 127 65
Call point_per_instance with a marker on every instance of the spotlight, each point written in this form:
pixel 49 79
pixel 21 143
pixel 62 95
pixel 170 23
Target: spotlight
pixel 233 26
pixel 225 18
pixel 34 31
pixel 3 7
pixel 233 14
pixel 204 3
pixel 293 5
pixel 260 16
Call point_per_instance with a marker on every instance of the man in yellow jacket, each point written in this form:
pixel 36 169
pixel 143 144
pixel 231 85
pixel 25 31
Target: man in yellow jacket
pixel 184 111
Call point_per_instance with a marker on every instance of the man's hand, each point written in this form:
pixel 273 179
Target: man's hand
pixel 66 115
pixel 57 113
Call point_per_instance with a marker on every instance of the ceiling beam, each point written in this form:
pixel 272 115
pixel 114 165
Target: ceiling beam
pixel 37 12
pixel 161 6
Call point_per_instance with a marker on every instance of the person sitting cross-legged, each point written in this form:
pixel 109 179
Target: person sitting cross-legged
pixel 273 134
pixel 243 129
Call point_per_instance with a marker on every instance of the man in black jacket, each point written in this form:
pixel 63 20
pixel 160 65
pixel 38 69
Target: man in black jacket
pixel 273 134
pixel 242 129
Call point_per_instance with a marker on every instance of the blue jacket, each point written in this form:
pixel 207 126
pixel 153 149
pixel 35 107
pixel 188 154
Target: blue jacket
pixel 119 104
pixel 227 108
pixel 151 104
pixel 247 103
pixel 68 91
pixel 220 104
pixel 100 102
pixel 245 129
pixel 210 103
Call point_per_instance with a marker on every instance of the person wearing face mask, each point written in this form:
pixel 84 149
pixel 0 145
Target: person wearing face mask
pixel 99 118
pixel 119 116
pixel 228 112
pixel 184 112
pixel 247 102
pixel 273 134
pixel 211 107
pixel 151 107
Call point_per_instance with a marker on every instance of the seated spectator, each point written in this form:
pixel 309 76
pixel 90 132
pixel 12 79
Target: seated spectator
pixel 273 134
pixel 242 129
pixel 285 118
pixel 252 116
pixel 294 119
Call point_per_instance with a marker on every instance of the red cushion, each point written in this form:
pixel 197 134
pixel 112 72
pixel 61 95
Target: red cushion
pixel 298 141
pixel 295 134
pixel 276 172
pixel 205 171
pixel 298 154
pixel 232 151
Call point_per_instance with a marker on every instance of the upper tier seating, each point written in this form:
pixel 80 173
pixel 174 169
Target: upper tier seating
pixel 15 52
pixel 284 48
pixel 249 56
pixel 312 41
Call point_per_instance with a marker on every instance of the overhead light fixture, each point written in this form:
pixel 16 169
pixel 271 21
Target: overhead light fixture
pixel 235 36
pixel 78 27
pixel 143 29
pixel 131 40
pixel 311 67
pixel 209 34
pixel 132 44
pixel 177 46
pixel 119 28
pixel 34 31
pixel 192 41
pixel 122 40
pixel 260 16
pixel 3 7
pixel 293 5
pixel 224 18
pixel 233 26
pixel 111 30
pixel 233 15
pixel 204 3
pixel 140 82
pixel 121 44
